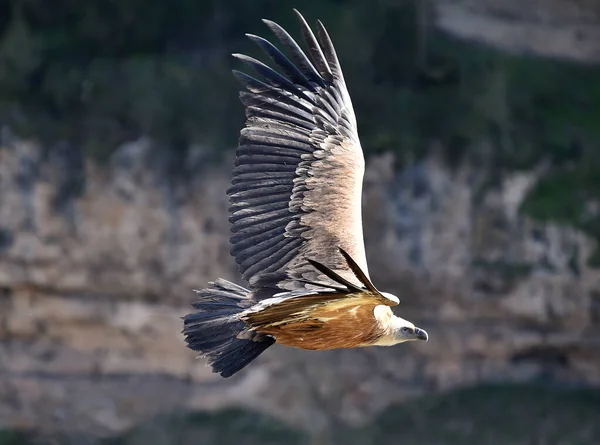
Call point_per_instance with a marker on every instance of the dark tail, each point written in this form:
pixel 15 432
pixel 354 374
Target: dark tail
pixel 214 329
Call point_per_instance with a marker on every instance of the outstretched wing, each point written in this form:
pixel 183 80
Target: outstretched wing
pixel 297 183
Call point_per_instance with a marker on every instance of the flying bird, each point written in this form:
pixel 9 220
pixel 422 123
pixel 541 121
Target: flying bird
pixel 295 215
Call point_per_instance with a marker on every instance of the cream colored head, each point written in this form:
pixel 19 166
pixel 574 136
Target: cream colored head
pixel 403 330
pixel 398 329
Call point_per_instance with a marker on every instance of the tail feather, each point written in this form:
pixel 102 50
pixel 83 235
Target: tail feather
pixel 215 329
pixel 234 357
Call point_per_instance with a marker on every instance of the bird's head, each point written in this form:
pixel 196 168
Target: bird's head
pixel 403 330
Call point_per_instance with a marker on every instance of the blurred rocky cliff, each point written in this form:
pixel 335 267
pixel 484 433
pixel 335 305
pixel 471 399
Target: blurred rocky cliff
pixel 98 262
pixel 481 203
pixel 551 28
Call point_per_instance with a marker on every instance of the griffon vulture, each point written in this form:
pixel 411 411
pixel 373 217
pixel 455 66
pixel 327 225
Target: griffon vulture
pixel 295 214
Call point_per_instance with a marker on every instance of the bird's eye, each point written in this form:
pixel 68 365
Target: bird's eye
pixel 405 329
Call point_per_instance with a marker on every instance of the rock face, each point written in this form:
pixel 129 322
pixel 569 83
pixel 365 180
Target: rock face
pixel 97 264
pixel 554 28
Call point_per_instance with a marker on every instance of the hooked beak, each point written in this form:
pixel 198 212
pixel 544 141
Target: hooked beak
pixel 421 334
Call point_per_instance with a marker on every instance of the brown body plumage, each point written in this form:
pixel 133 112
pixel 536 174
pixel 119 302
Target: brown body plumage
pixel 341 321
pixel 295 214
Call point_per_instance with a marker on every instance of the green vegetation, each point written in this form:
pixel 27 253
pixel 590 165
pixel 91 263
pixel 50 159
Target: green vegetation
pixel 225 427
pixel 565 195
pixel 98 73
pixel 493 415
pixel 510 273
pixel 8 437
pixel 485 415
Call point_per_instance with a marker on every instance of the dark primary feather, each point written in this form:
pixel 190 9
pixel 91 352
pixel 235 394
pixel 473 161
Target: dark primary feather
pixel 294 118
pixel 273 77
pixel 333 276
pixel 296 53
pixel 288 67
pixel 315 50
pixel 358 272
pixel 329 50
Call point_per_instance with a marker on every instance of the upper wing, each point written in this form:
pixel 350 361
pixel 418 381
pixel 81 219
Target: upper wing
pixel 297 183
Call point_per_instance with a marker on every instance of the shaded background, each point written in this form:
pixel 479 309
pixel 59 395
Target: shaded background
pixel 481 126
